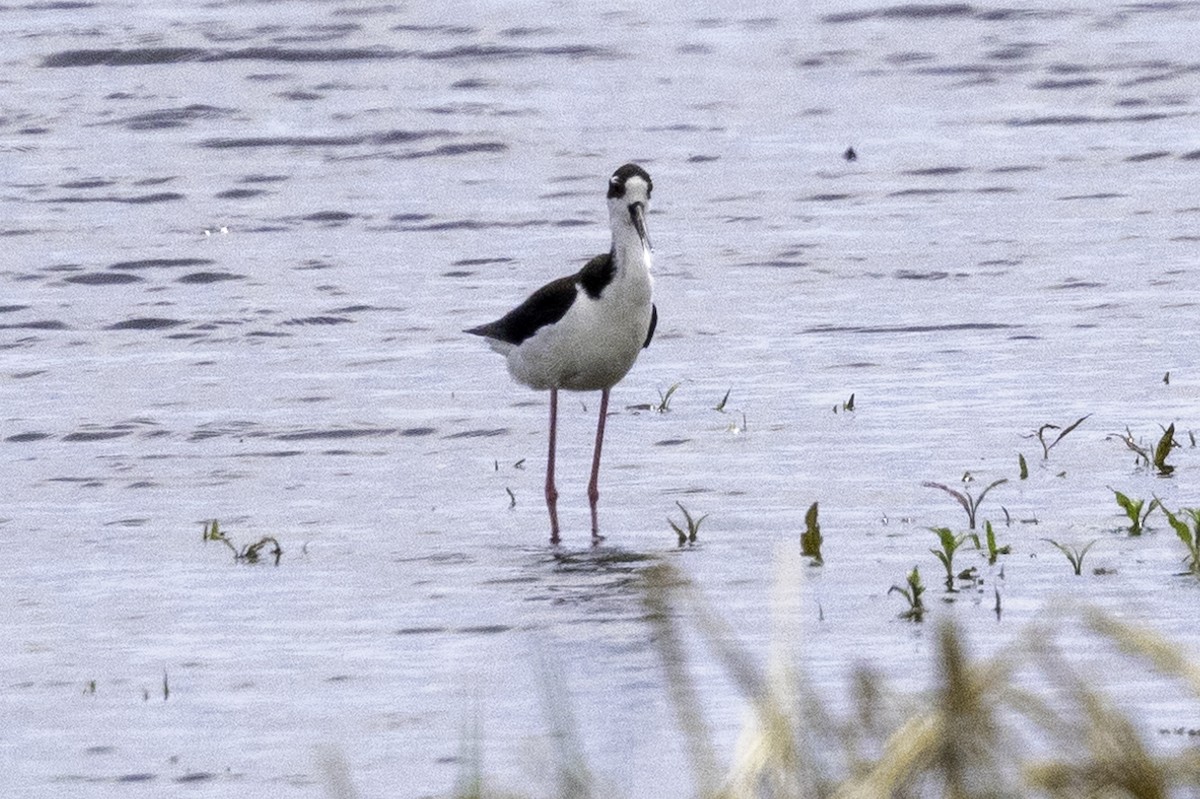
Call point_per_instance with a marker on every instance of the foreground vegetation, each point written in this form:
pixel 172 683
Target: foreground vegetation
pixel 983 730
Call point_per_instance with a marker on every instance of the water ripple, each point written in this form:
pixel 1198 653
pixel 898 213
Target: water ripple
pixel 145 323
pixel 910 328
pixel 150 56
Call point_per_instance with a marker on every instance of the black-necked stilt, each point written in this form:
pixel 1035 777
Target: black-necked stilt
pixel 583 332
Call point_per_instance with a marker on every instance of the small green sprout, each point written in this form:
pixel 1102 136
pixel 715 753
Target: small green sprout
pixel 911 591
pixel 721 405
pixel 950 544
pixel 1041 435
pixel 1133 509
pixel 970 504
pixel 1157 458
pixel 810 539
pixel 1074 554
pixel 247 554
pixel 250 553
pixel 1190 536
pixel 1024 466
pixel 212 532
pixel 993 551
pixel 664 400
pixel 1164 449
pixel 689 535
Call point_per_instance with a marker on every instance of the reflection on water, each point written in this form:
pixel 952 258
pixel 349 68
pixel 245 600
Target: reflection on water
pixel 239 247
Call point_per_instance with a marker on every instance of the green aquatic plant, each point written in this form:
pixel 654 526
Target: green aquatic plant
pixel 911 592
pixel 1074 554
pixel 811 538
pixel 212 532
pixel 1190 536
pixel 970 503
pixel 1157 457
pixel 687 536
pixel 950 544
pixel 1063 431
pixel 1024 467
pixel 1133 509
pixel 166 690
pixel 993 551
pixel 664 400
pixel 1164 449
pixel 251 553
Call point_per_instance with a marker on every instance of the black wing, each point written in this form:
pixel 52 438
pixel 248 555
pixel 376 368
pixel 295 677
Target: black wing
pixel 597 274
pixel 653 324
pixel 544 307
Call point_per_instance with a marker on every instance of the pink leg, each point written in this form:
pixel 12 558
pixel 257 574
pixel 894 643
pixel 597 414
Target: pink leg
pixel 551 491
pixel 594 483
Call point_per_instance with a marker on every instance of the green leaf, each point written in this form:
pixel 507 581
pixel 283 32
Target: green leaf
pixel 1179 525
pixel 961 497
pixel 1132 507
pixel 811 539
pixel 1164 449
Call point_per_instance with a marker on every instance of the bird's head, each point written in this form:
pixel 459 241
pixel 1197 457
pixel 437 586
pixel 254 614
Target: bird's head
pixel 629 198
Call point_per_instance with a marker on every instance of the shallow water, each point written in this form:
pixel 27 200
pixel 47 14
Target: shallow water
pixel 240 243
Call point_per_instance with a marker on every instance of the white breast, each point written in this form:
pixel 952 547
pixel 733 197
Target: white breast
pixel 596 342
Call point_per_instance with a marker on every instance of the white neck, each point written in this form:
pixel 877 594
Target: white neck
pixel 627 246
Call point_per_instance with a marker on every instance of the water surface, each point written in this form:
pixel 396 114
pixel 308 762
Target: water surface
pixel 240 243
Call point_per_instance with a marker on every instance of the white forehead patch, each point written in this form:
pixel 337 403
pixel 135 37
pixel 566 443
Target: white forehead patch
pixel 638 184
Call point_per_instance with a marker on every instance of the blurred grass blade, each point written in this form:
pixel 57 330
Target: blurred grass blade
pixel 1145 643
pixel 662 583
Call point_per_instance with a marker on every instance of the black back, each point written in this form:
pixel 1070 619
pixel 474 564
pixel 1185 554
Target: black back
pixel 544 307
pixel 596 274
pixel 551 302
